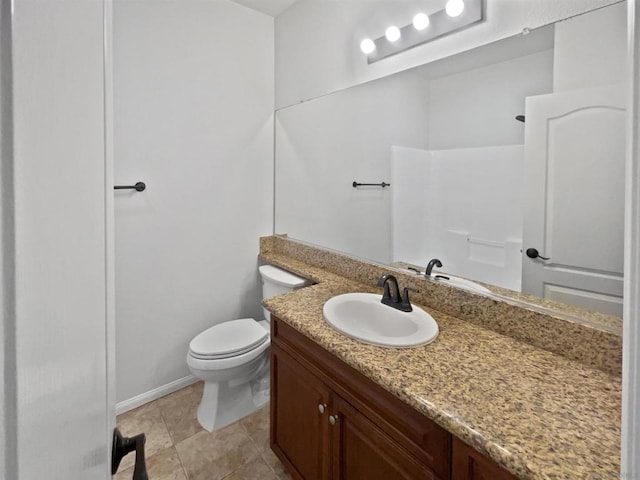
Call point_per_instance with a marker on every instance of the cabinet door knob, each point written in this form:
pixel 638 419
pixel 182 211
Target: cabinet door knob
pixel 322 407
pixel 333 419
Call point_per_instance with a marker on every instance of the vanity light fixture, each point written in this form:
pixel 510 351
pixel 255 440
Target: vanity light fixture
pixel 421 21
pixel 392 33
pixel 454 8
pixel 367 46
pixel 456 15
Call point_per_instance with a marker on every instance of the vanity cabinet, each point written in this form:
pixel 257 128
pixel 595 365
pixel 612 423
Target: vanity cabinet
pixel 328 421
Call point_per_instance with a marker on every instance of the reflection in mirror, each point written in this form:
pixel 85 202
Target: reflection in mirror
pixel 469 183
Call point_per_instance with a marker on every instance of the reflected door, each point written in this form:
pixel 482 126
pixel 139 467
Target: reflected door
pixel 574 199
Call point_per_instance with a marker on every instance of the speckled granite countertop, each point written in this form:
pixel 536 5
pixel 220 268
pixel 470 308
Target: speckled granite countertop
pixel 537 414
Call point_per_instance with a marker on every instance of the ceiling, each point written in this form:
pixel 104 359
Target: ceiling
pixel 270 7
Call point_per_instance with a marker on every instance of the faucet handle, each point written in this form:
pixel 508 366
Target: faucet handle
pixel 406 304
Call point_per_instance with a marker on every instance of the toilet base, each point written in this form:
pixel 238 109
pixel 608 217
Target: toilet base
pixel 224 403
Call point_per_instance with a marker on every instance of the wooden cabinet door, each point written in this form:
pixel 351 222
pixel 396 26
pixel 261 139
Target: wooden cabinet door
pixel 361 450
pixel 469 464
pixel 299 430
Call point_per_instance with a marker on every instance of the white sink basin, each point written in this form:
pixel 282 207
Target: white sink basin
pixel 361 316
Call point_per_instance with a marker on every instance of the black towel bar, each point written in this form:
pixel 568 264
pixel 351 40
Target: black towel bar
pixel 382 184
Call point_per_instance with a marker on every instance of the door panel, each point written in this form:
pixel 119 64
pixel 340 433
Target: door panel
pixel 574 204
pixel 62 253
pixel 599 302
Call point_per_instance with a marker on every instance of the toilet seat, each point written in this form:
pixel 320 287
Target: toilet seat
pixel 229 362
pixel 228 340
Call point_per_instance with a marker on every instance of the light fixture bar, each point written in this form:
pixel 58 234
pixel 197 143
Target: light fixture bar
pixel 440 24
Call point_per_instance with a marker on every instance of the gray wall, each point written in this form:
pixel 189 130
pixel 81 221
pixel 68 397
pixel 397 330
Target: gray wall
pixel 193 93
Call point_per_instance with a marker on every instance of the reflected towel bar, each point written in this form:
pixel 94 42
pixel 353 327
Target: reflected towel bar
pixel 383 184
pixel 139 187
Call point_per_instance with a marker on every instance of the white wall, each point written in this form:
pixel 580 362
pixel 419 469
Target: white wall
pixel 193 92
pixel 324 145
pixel 591 50
pixel 318 42
pixel 60 241
pixel 477 108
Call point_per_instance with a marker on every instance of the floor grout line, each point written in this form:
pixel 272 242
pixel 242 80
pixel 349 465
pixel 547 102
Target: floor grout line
pixel 184 470
pixel 173 444
pixel 166 426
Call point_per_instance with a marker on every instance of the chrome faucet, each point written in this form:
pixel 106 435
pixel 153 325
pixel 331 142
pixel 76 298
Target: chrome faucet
pixel 434 262
pixel 391 293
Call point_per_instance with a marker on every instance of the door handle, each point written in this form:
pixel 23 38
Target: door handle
pixel 533 253
pixel 122 446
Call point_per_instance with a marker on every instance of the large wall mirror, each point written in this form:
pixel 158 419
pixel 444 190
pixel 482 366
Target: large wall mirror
pixel 506 205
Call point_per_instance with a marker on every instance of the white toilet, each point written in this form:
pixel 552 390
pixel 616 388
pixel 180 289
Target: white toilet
pixel 233 359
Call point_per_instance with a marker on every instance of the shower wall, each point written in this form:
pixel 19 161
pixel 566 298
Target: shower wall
pixel 193 105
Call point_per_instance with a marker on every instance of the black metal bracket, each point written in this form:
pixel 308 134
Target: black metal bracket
pixel 383 184
pixel 138 187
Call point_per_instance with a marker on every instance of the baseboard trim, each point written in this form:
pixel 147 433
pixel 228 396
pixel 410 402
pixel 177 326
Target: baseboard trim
pixel 151 395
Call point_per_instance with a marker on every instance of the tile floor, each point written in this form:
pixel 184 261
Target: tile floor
pixel 178 448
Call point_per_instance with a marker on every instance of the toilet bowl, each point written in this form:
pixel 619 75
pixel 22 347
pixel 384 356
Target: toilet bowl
pixel 233 359
pixel 234 376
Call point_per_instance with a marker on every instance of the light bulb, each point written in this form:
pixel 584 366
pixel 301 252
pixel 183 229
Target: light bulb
pixel 392 33
pixel 421 21
pixel 367 46
pixel 454 7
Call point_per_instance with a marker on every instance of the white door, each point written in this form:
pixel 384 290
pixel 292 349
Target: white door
pixel 574 200
pixel 62 414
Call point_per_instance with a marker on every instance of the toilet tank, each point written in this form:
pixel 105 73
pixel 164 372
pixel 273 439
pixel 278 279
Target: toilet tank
pixel 276 281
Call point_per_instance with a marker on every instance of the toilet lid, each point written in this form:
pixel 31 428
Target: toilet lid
pixel 228 339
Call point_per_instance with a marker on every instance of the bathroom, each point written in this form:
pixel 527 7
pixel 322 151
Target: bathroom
pixel 191 89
